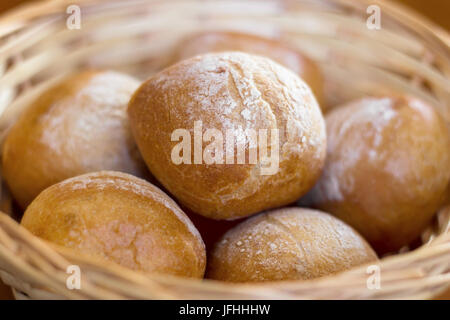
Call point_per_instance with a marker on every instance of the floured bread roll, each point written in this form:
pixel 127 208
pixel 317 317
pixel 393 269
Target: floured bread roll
pixel 208 42
pixel 118 218
pixel 194 120
pixel 387 168
pixel 79 125
pixel 287 244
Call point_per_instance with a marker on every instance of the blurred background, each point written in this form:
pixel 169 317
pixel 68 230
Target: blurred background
pixel 436 10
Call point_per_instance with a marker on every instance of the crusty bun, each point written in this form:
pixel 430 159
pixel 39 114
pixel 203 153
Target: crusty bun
pixel 79 125
pixel 207 42
pixel 118 218
pixel 287 244
pixel 387 168
pixel 226 92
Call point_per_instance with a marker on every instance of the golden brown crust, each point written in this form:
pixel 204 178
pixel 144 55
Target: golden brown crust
pixel 118 218
pixel 226 91
pixel 208 42
pixel 287 244
pixel 80 125
pixel 387 168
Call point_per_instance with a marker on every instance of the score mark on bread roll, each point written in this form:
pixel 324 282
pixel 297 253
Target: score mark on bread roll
pixel 219 41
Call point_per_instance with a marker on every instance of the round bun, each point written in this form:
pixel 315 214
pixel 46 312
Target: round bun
pixel 208 42
pixel 287 244
pixel 79 125
pixel 387 168
pixel 118 218
pixel 233 93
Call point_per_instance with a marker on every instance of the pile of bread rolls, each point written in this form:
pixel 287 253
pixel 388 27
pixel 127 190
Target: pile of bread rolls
pixel 90 162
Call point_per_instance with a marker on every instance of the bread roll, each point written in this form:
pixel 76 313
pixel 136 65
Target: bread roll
pixel 229 93
pixel 287 244
pixel 118 218
pixel 387 168
pixel 79 125
pixel 207 42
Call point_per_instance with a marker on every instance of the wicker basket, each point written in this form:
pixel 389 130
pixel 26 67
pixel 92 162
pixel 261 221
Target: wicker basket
pixel 408 54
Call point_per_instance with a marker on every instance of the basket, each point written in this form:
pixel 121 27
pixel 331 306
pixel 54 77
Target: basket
pixel 408 54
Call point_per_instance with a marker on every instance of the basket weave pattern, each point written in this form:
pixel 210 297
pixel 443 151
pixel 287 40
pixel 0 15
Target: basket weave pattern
pixel 407 55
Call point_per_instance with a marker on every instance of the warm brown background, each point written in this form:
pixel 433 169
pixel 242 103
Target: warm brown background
pixel 436 10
